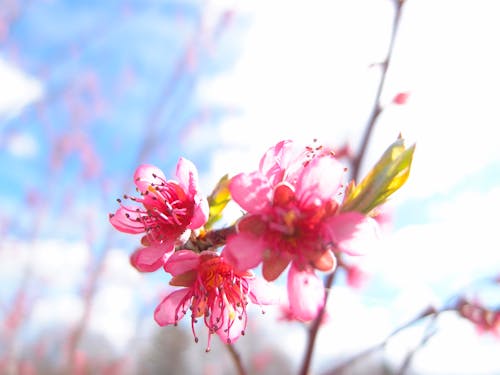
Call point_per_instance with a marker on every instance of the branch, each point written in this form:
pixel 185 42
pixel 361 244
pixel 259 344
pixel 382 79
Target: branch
pixel 235 356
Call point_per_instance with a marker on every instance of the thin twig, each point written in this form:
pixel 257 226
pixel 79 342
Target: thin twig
pixel 377 107
pixel 428 333
pixel 429 311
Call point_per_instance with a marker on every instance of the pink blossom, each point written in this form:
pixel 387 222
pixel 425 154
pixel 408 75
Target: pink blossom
pixel 485 319
pixel 214 291
pixel 401 98
pixel 169 208
pixel 294 217
pixel 356 278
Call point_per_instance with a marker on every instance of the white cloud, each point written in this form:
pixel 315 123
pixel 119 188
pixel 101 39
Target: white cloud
pixel 17 89
pixel 54 262
pixel 304 73
pixel 22 145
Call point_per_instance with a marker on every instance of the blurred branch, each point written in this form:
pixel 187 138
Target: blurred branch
pixel 430 311
pixel 235 356
pixel 355 170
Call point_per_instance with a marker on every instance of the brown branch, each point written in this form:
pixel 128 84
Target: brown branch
pixel 235 356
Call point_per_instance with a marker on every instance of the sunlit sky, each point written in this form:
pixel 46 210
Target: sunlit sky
pixel 304 70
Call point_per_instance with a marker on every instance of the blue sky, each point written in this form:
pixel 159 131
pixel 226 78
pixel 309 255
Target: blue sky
pixel 93 77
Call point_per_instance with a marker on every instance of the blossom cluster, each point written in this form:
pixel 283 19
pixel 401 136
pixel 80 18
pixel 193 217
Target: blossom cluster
pixel 295 220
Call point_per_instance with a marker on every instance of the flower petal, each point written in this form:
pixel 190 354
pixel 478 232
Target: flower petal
pixel 149 259
pixel 124 220
pixel 275 161
pixel 352 232
pixel 200 214
pixel 182 261
pixel 232 327
pixel 187 175
pixel 321 179
pixel 305 292
pixel 147 174
pixel 244 251
pixel 262 292
pixel 251 191
pixel 168 311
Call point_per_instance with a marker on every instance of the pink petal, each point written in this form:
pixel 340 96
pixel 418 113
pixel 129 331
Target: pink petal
pixel 244 251
pixel 262 292
pixel 144 176
pixel 352 232
pixel 251 191
pixel 167 312
pixel 320 180
pixel 127 224
pixel 305 292
pixel 275 161
pixel 232 328
pixel 200 214
pixel 182 261
pixel 187 175
pixel 149 259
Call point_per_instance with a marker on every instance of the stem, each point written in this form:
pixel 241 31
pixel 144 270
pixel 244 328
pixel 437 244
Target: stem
pixel 356 164
pixel 377 107
pixel 235 356
pixel 314 329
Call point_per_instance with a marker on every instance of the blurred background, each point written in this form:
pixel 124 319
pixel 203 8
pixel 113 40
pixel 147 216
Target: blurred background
pixel 89 90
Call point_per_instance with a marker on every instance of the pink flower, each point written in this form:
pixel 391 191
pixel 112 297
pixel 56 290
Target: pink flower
pixel 294 217
pixel 214 291
pixel 401 98
pixel 168 209
pixel 485 319
pixel 356 278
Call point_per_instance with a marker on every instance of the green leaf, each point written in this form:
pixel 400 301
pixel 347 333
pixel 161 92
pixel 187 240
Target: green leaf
pixel 387 176
pixel 217 201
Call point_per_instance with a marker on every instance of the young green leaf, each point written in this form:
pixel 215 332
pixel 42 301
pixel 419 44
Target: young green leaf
pixel 217 201
pixel 387 176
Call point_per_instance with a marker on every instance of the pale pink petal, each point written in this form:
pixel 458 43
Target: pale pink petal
pixel 275 161
pixel 182 261
pixel 200 214
pixel 187 175
pixel 147 174
pixel 232 328
pixel 305 292
pixel 320 181
pixel 244 251
pixel 251 191
pixel 262 292
pixel 149 259
pixel 352 232
pixel 124 220
pixel 168 311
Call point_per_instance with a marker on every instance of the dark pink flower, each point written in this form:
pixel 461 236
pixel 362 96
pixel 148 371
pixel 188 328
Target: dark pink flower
pixel 213 291
pixel 485 319
pixel 167 209
pixel 294 217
